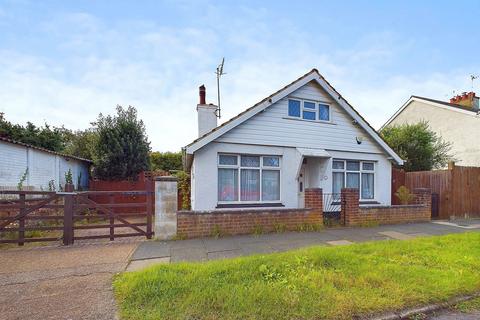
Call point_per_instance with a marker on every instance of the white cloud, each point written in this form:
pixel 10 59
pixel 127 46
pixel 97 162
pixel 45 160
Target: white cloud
pixel 158 68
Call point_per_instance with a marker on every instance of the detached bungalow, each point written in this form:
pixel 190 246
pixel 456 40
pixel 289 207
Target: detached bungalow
pixel 306 135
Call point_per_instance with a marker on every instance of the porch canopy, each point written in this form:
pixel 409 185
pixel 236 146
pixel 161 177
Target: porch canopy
pixel 310 152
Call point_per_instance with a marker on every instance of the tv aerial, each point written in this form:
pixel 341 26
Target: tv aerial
pixel 473 77
pixel 219 73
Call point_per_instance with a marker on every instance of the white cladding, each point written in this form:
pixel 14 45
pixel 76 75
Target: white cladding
pixel 274 127
pixel 42 168
pixel 272 132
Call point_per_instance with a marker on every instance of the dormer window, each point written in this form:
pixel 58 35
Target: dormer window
pixel 308 110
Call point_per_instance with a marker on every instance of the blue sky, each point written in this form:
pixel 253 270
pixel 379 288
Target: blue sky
pixel 66 61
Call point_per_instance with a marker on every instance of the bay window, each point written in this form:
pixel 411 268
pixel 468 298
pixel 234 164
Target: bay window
pixel 354 174
pixel 248 179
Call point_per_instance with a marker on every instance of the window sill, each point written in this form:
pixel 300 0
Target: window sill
pixel 248 205
pixel 314 121
pixel 369 202
pixel 362 202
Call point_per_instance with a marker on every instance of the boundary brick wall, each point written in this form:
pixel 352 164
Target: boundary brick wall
pixel 355 215
pixel 192 224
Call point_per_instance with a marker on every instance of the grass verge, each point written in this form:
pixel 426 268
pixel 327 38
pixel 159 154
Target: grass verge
pixel 312 283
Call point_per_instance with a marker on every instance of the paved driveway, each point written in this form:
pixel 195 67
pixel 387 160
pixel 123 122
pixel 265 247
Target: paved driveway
pixel 61 282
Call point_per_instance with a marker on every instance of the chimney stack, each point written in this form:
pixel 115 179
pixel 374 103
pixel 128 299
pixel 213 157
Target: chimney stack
pixel 202 91
pixel 469 100
pixel 206 113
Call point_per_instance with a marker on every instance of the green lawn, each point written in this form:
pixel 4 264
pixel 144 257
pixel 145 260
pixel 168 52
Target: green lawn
pixel 312 283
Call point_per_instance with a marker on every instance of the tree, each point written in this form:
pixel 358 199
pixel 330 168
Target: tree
pixel 82 143
pixel 420 147
pixel 166 161
pixel 51 138
pixel 122 150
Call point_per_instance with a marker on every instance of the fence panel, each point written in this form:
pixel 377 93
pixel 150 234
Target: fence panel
pixel 465 192
pixel 458 188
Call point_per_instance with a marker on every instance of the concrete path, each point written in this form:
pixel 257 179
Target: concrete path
pixel 150 252
pixel 61 282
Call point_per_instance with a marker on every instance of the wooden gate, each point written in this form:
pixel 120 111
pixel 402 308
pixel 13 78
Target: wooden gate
pixel 38 216
pixel 136 222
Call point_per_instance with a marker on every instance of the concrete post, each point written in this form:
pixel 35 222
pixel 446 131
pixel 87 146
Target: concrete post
pixel 165 207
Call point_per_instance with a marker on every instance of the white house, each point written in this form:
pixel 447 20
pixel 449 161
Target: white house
pixel 306 135
pixel 38 167
pixel 457 122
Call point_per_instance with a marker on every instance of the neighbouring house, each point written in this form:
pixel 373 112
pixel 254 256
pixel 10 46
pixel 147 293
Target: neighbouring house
pixel 38 167
pixel 457 122
pixel 306 135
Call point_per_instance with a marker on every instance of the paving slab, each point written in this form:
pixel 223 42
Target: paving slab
pixel 152 249
pixel 397 235
pixel 255 248
pixel 188 254
pixel 224 254
pixel 339 243
pixel 136 265
pixel 213 245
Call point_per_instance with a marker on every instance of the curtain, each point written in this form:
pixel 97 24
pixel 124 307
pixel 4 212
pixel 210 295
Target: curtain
pixel 367 185
pixel 338 181
pixel 227 184
pixel 270 185
pixel 250 185
pixel 353 180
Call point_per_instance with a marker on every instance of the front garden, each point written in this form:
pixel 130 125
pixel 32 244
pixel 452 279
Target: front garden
pixel 312 283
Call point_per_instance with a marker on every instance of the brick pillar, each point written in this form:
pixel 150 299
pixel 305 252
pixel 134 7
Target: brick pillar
pixel 314 199
pixel 350 206
pixel 423 196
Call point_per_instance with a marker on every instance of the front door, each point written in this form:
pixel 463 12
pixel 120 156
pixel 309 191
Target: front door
pixel 301 187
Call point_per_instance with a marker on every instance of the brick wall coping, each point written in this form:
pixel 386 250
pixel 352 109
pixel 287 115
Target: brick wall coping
pixel 393 207
pixel 245 211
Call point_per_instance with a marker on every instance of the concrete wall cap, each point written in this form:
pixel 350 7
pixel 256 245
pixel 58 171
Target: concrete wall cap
pixel 166 178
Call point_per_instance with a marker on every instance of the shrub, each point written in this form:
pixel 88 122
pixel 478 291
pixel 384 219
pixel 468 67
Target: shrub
pixel 404 195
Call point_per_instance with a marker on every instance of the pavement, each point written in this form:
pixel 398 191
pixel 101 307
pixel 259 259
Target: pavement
pixel 59 282
pixel 152 252
pixel 75 282
pixel 455 315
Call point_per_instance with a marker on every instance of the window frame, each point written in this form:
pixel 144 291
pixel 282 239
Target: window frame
pixel 360 171
pixel 261 167
pixel 315 110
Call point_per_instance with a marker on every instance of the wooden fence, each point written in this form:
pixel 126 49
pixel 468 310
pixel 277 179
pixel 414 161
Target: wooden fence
pixel 457 189
pixel 145 181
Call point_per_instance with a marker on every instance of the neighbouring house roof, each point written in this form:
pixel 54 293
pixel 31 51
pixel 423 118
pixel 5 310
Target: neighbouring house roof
pixel 43 149
pixel 433 102
pixel 313 75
